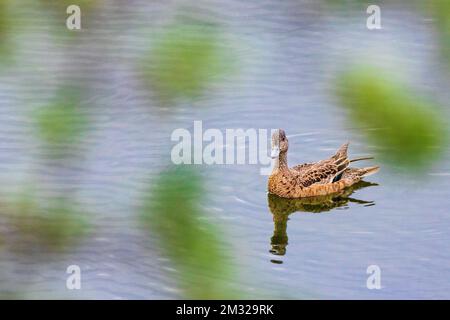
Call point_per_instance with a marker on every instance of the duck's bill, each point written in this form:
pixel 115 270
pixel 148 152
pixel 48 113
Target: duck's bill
pixel 275 153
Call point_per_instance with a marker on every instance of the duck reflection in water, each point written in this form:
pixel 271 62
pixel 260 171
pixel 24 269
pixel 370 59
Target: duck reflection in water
pixel 281 208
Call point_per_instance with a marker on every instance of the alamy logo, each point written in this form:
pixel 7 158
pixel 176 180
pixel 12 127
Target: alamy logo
pixel 213 146
pixel 73 281
pixel 374 20
pixel 73 21
pixel 374 280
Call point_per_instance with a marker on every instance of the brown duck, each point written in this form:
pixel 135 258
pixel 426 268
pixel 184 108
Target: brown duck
pixel 312 179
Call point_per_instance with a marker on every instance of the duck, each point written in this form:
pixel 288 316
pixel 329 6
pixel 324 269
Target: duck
pixel 320 178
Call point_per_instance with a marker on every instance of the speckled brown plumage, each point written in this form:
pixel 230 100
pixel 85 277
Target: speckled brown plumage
pixel 312 179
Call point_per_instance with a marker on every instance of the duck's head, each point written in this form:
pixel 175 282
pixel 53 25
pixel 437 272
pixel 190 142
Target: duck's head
pixel 280 143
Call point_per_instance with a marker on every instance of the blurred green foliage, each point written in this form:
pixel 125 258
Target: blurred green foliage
pixel 5 31
pixel 3 19
pixel 54 223
pixel 61 123
pixel 61 5
pixel 440 11
pixel 408 129
pixel 173 212
pixel 184 61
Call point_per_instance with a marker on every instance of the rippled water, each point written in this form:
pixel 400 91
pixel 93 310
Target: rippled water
pixel 288 55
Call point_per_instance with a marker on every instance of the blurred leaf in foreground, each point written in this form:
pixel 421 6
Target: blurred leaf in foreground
pixel 61 123
pixel 440 10
pixel 55 223
pixel 172 211
pixel 184 61
pixel 61 5
pixel 408 129
pixel 5 31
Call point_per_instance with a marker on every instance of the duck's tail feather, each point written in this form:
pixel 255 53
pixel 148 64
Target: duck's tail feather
pixel 342 151
pixel 367 171
pixel 354 175
pixel 362 158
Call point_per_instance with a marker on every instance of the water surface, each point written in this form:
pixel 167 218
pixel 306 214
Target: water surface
pixel 287 55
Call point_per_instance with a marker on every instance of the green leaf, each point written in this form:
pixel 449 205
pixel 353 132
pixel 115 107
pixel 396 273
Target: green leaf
pixel 54 223
pixel 184 61
pixel 61 123
pixel 172 211
pixel 407 128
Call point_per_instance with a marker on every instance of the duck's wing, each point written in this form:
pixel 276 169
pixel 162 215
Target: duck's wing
pixel 325 171
pixel 302 167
